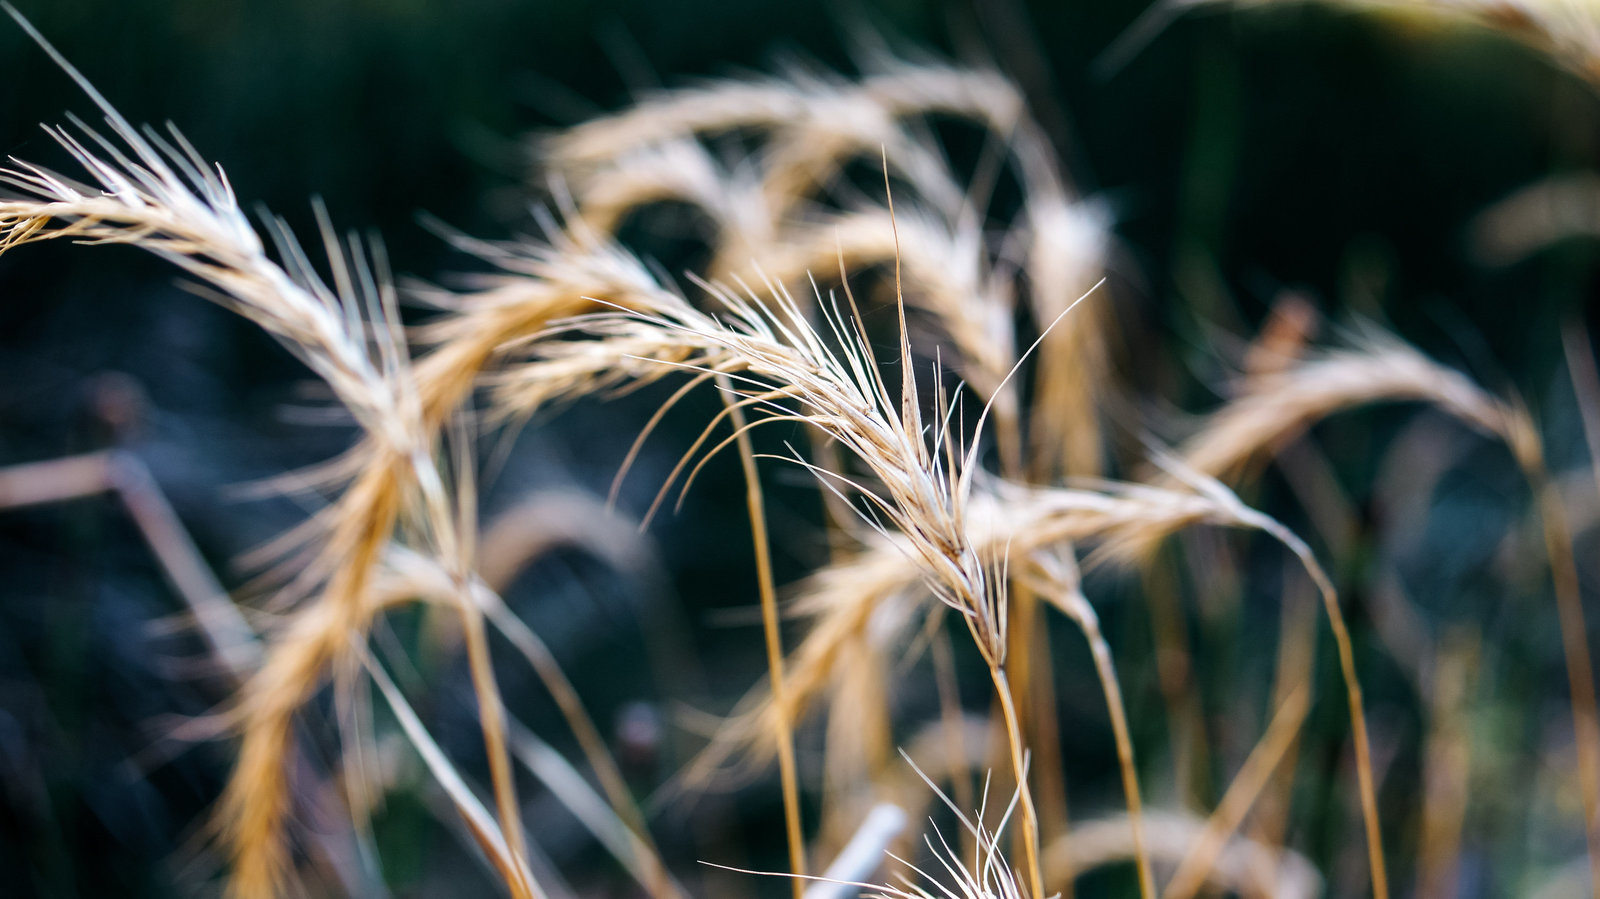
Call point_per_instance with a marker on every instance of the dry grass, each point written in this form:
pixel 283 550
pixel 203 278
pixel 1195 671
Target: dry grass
pixel 929 525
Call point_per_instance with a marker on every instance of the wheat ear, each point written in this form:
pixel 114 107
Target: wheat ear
pixel 161 196
pixel 1281 404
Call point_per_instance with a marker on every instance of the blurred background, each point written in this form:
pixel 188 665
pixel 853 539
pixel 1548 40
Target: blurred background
pixel 1341 154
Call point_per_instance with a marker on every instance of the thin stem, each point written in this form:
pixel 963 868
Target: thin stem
pixel 1296 654
pixel 1028 647
pixel 1252 778
pixel 1352 684
pixel 512 866
pixel 769 620
pixel 1019 767
pixel 590 742
pixel 1119 728
pixel 492 716
pixel 1066 595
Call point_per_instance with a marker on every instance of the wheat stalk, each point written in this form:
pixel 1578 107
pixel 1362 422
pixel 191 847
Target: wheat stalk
pixel 1279 404
pixel 161 196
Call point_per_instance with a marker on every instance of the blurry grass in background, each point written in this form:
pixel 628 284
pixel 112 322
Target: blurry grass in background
pixel 1343 155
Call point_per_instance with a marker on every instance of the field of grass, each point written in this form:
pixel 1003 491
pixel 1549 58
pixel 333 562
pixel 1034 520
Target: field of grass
pixel 978 450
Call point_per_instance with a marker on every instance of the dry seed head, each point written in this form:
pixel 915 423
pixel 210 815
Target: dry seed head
pixel 986 875
pixel 1068 243
pixel 1379 368
pixel 1002 518
pixel 678 171
pixel 773 353
pixel 810 123
pixel 161 196
pixel 834 117
pixel 945 273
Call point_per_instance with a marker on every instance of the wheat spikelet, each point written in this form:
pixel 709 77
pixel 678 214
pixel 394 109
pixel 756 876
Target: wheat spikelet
pixel 843 598
pixel 814 123
pixel 779 356
pixel 810 126
pixel 945 274
pixel 576 316
pixel 1277 406
pixel 161 196
pixel 1280 404
pixel 1067 248
pixel 923 488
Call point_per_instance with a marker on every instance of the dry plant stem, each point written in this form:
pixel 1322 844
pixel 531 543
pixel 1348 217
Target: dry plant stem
pixel 756 504
pixel 1105 841
pixel 1069 599
pixel 513 868
pixel 1030 657
pixel 461 549
pixel 229 637
pixel 491 714
pixel 1130 776
pixel 590 742
pixel 1030 689
pixel 1358 719
pixel 1296 656
pixel 412 577
pixel 593 812
pixel 1028 654
pixel 1019 768
pixel 1241 794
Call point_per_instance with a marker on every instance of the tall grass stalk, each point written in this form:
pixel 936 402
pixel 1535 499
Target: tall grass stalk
pixel 922 530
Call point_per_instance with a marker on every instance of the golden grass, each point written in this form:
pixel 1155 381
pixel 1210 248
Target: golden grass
pixel 756 504
pixel 1244 866
pixel 928 528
